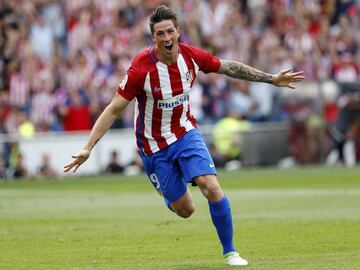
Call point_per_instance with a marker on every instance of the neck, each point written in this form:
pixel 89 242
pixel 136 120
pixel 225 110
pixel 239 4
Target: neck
pixel 167 59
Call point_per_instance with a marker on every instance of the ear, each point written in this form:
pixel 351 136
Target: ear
pixel 178 30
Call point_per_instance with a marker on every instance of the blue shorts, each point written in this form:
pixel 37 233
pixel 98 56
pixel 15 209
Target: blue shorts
pixel 172 168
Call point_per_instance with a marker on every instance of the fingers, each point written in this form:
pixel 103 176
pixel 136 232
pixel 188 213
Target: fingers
pixel 284 78
pixel 76 163
pixel 299 73
pixel 291 86
pixel 76 167
pixel 66 169
pixel 297 79
pixel 283 72
pixel 79 159
pixel 296 76
pixel 69 166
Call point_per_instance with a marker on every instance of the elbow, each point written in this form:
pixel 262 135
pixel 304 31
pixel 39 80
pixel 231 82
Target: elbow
pixel 116 111
pixel 116 106
pixel 112 112
pixel 117 114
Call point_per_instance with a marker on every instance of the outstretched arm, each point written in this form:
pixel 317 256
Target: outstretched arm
pixel 239 70
pixel 103 123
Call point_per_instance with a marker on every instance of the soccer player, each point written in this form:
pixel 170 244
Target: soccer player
pixel 171 147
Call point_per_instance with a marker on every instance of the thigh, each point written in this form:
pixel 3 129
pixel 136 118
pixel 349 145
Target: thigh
pixel 184 205
pixel 194 158
pixel 164 176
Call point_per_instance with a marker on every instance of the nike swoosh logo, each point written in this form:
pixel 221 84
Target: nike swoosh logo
pixel 211 165
pixel 157 89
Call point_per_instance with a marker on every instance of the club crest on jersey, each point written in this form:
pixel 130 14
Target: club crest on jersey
pixel 189 76
pixel 124 81
pixel 167 104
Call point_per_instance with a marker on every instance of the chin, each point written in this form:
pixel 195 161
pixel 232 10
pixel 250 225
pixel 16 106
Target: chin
pixel 169 53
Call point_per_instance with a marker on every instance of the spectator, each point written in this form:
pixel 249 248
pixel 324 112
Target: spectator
pixel 20 170
pixel 263 96
pixel 346 70
pixel 298 114
pixel 3 174
pixel 228 137
pixel 45 168
pixel 19 86
pixel 135 166
pixel 240 100
pixel 42 38
pixel 345 130
pixel 114 165
pixel 77 115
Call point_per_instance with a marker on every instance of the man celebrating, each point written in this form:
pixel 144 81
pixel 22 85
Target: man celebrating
pixel 171 147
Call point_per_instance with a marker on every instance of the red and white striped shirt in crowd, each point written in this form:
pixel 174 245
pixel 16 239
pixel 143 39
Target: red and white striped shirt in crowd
pixel 19 90
pixel 162 111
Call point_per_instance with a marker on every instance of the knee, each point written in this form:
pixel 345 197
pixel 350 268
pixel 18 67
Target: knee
pixel 185 212
pixel 210 187
pixel 184 206
pixel 213 192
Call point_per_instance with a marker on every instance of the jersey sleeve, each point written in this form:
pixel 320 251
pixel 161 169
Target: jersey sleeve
pixel 130 85
pixel 205 60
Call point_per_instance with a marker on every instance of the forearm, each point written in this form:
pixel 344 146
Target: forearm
pixel 102 124
pixel 105 120
pixel 239 70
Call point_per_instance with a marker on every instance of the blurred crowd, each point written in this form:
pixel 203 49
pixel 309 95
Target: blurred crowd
pixel 61 61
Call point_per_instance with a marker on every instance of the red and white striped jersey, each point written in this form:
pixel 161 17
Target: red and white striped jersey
pixel 162 111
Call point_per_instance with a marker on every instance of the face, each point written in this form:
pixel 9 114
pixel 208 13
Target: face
pixel 166 37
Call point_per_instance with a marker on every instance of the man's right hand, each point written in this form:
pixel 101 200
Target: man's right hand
pixel 79 159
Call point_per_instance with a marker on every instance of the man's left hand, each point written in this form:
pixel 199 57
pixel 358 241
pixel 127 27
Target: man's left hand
pixel 285 78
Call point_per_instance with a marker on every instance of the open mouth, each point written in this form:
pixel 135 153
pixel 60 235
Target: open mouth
pixel 169 47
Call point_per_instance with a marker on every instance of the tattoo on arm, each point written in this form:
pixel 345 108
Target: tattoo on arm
pixel 90 146
pixel 241 71
pixel 96 142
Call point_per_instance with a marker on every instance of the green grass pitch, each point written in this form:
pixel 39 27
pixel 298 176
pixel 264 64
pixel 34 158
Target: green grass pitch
pixel 304 218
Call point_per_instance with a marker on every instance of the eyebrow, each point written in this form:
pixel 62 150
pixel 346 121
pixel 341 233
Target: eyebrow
pixel 167 29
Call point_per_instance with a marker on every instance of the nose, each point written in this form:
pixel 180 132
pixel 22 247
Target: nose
pixel 167 37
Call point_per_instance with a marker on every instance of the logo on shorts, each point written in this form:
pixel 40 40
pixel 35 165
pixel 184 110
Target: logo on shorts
pixel 211 165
